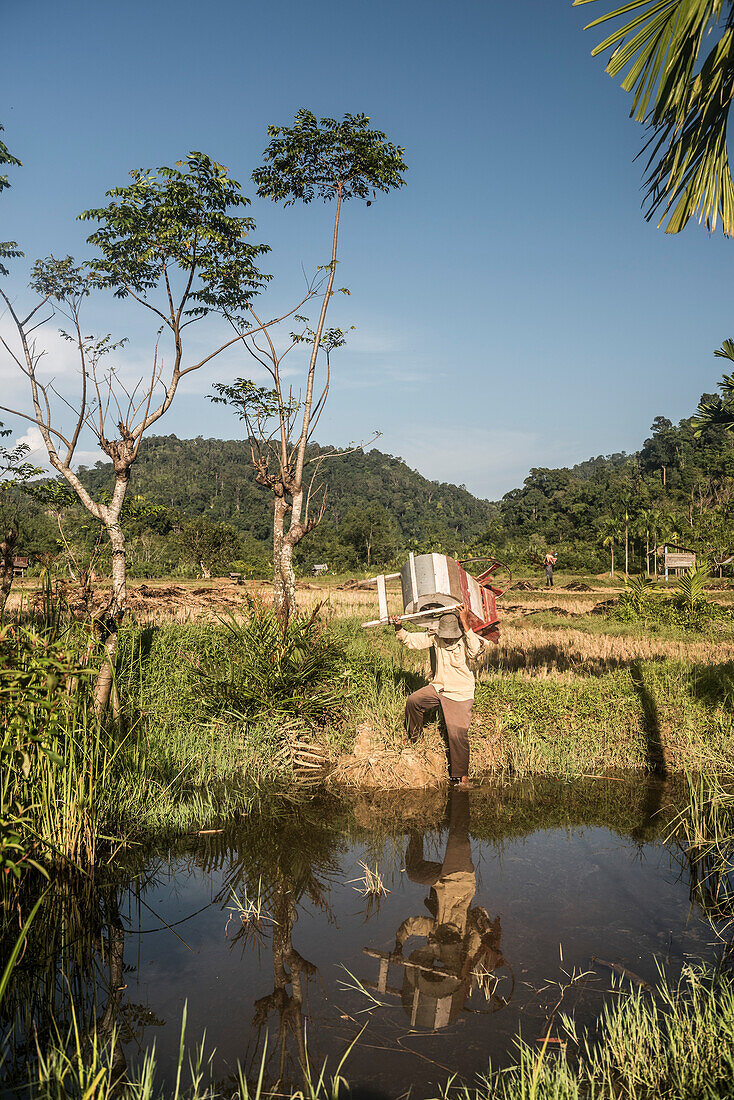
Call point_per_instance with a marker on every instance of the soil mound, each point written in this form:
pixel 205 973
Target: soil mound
pixel 603 607
pixel 578 586
pixel 523 586
pixel 375 766
pixel 164 593
pixel 564 614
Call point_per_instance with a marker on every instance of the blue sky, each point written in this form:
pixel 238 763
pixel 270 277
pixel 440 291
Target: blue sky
pixel 512 308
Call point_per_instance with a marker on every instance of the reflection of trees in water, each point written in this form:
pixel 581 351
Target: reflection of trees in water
pixel 288 859
pixel 71 976
pixel 279 1019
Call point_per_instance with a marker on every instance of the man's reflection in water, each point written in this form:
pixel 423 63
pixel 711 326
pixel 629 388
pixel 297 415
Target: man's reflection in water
pixel 462 945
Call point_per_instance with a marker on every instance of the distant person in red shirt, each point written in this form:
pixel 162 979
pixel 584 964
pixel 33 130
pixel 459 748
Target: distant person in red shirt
pixel 549 561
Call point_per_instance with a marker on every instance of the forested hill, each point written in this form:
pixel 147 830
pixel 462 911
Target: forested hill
pixel 676 488
pixel 214 478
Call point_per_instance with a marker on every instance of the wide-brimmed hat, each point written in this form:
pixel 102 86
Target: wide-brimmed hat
pixel 449 628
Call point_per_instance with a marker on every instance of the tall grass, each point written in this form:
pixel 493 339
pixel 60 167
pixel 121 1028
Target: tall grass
pixel 677 1046
pixel 60 765
pixel 705 828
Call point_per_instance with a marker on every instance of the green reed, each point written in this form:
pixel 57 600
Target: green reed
pixel 675 1045
pixel 59 763
pixel 705 831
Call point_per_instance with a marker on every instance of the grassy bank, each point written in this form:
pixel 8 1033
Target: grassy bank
pixel 211 716
pixel 612 709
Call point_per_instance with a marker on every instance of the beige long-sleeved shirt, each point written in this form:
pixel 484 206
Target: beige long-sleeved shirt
pixel 453 677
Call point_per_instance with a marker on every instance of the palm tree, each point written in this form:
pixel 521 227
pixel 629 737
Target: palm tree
pixel 718 411
pixel 644 528
pixel 659 522
pixel 677 57
pixel 609 535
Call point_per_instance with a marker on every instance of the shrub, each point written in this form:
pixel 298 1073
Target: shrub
pixel 688 607
pixel 635 603
pixel 268 673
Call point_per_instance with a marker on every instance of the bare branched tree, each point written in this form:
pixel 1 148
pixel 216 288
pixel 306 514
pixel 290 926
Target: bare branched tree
pixel 275 438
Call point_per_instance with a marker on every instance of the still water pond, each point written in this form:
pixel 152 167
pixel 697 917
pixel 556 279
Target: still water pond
pixel 505 907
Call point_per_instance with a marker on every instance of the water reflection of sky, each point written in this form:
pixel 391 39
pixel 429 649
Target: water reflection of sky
pixel 539 909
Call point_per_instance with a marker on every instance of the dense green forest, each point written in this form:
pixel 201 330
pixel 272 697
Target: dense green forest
pixel 197 508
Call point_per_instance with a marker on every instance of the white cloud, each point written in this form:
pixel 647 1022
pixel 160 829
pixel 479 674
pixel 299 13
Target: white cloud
pixel 38 454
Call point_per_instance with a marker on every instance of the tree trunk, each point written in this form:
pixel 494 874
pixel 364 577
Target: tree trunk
pixel 288 583
pixel 626 549
pixel 108 623
pixel 7 553
pixel 612 559
pixel 284 578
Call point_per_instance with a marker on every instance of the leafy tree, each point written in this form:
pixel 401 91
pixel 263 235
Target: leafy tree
pixel 659 451
pixel 677 57
pixel 208 545
pixel 8 249
pixel 170 242
pixel 333 161
pixel 372 532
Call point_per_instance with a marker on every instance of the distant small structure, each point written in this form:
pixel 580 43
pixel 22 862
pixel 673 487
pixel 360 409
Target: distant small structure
pixel 20 564
pixel 673 556
pixel 319 569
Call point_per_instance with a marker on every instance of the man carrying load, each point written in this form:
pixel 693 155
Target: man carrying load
pixel 453 644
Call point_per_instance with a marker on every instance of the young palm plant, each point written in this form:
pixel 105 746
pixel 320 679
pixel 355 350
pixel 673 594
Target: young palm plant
pixel 690 598
pixel 637 594
pixel 267 672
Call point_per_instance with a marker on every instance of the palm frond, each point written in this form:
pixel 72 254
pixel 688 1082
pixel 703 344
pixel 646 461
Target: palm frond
pixel 266 672
pixel 682 89
pixel 690 589
pixel 717 412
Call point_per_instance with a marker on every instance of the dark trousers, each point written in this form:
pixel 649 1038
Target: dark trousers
pixel 458 850
pixel 457 716
pixel 549 576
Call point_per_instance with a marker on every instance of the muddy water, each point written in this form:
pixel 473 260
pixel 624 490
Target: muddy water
pixel 505 907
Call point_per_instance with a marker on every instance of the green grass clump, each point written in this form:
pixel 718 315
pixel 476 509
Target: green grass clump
pixel 59 766
pixel 677 1044
pixel 705 831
